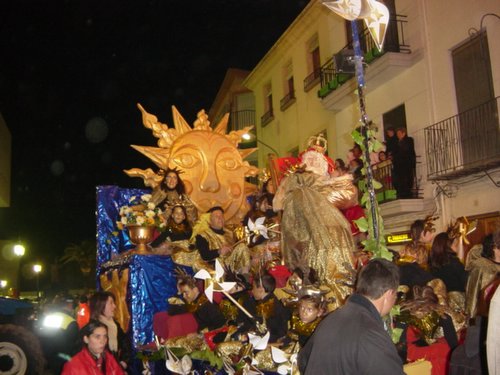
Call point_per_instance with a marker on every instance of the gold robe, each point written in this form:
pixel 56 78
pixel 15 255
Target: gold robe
pixel 238 259
pixel 315 233
pixel 482 271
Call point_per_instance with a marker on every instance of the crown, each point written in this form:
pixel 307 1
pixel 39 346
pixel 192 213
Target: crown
pixel 318 143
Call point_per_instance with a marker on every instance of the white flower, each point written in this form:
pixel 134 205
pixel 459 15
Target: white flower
pixel 140 220
pixel 150 213
pixel 122 210
pixel 124 220
pixel 146 197
pixel 163 225
pixel 151 206
pixel 131 199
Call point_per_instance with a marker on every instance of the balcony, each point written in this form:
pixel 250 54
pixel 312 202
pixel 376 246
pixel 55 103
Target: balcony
pixel 464 144
pixel 382 172
pixel 312 79
pixel 337 88
pixel 239 119
pixel 287 100
pixel 267 117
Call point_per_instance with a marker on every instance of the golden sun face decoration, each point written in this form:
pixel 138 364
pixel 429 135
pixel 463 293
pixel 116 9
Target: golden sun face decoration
pixel 213 169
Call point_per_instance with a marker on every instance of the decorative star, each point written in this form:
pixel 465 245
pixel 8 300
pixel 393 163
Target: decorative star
pixel 377 21
pixel 375 15
pixel 348 9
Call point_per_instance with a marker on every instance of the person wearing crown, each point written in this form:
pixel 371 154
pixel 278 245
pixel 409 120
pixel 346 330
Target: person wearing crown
pixel 172 192
pixel 315 233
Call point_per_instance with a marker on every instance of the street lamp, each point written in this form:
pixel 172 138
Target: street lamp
pixel 37 268
pixel 252 137
pixel 19 250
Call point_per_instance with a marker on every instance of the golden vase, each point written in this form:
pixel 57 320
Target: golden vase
pixel 141 236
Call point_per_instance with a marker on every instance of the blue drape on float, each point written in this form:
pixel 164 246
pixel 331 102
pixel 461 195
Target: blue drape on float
pixel 151 277
pixel 110 240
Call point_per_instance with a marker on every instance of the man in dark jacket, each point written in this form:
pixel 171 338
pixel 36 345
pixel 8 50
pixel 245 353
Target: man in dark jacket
pixel 404 162
pixel 352 339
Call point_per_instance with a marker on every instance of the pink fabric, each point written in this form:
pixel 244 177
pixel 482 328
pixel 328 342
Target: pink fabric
pixel 167 326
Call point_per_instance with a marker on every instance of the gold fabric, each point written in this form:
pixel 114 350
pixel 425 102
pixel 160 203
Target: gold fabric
pixel 482 271
pixel 342 193
pixel 117 285
pixel 298 327
pixel 427 323
pixel 189 343
pixel 453 303
pixel 238 259
pixel 183 255
pixel 264 360
pixel 315 233
pixel 417 251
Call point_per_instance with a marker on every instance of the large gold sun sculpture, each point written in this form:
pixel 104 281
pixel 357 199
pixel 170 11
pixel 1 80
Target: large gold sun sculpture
pixel 212 166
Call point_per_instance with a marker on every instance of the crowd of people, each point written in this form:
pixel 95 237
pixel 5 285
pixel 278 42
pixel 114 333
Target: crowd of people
pixel 297 276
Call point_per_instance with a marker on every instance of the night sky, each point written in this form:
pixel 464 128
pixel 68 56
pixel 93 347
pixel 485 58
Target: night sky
pixel 71 73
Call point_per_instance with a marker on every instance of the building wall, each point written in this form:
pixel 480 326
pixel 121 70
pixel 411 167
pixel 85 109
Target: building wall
pixel 425 86
pixel 5 163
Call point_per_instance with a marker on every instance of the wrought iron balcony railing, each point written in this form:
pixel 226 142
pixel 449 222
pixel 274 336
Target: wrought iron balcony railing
pixel 287 100
pixel 312 79
pixel 382 172
pixel 330 78
pixel 267 117
pixel 464 144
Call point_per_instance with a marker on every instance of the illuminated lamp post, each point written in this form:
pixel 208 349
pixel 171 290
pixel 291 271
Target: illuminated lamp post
pixel 37 268
pixel 19 250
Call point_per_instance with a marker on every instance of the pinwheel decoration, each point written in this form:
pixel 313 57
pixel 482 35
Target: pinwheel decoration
pixel 287 362
pixel 247 369
pixel 179 366
pixel 258 228
pixel 215 283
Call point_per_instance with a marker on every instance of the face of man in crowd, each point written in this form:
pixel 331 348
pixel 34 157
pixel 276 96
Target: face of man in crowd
pixel 400 134
pixel 178 215
pixel 308 311
pixel 217 219
pixel 171 180
pixel 97 340
pixel 189 294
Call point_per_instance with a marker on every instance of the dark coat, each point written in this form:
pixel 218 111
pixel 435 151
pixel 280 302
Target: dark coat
pixel 351 340
pixel 276 322
pixel 453 275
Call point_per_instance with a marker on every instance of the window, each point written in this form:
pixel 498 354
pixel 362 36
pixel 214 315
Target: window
pixel 288 87
pixel 313 63
pixel 268 115
pixel 395 118
pixel 477 109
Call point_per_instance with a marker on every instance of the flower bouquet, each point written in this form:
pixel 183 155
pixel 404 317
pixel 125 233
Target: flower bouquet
pixel 141 217
pixel 141 211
